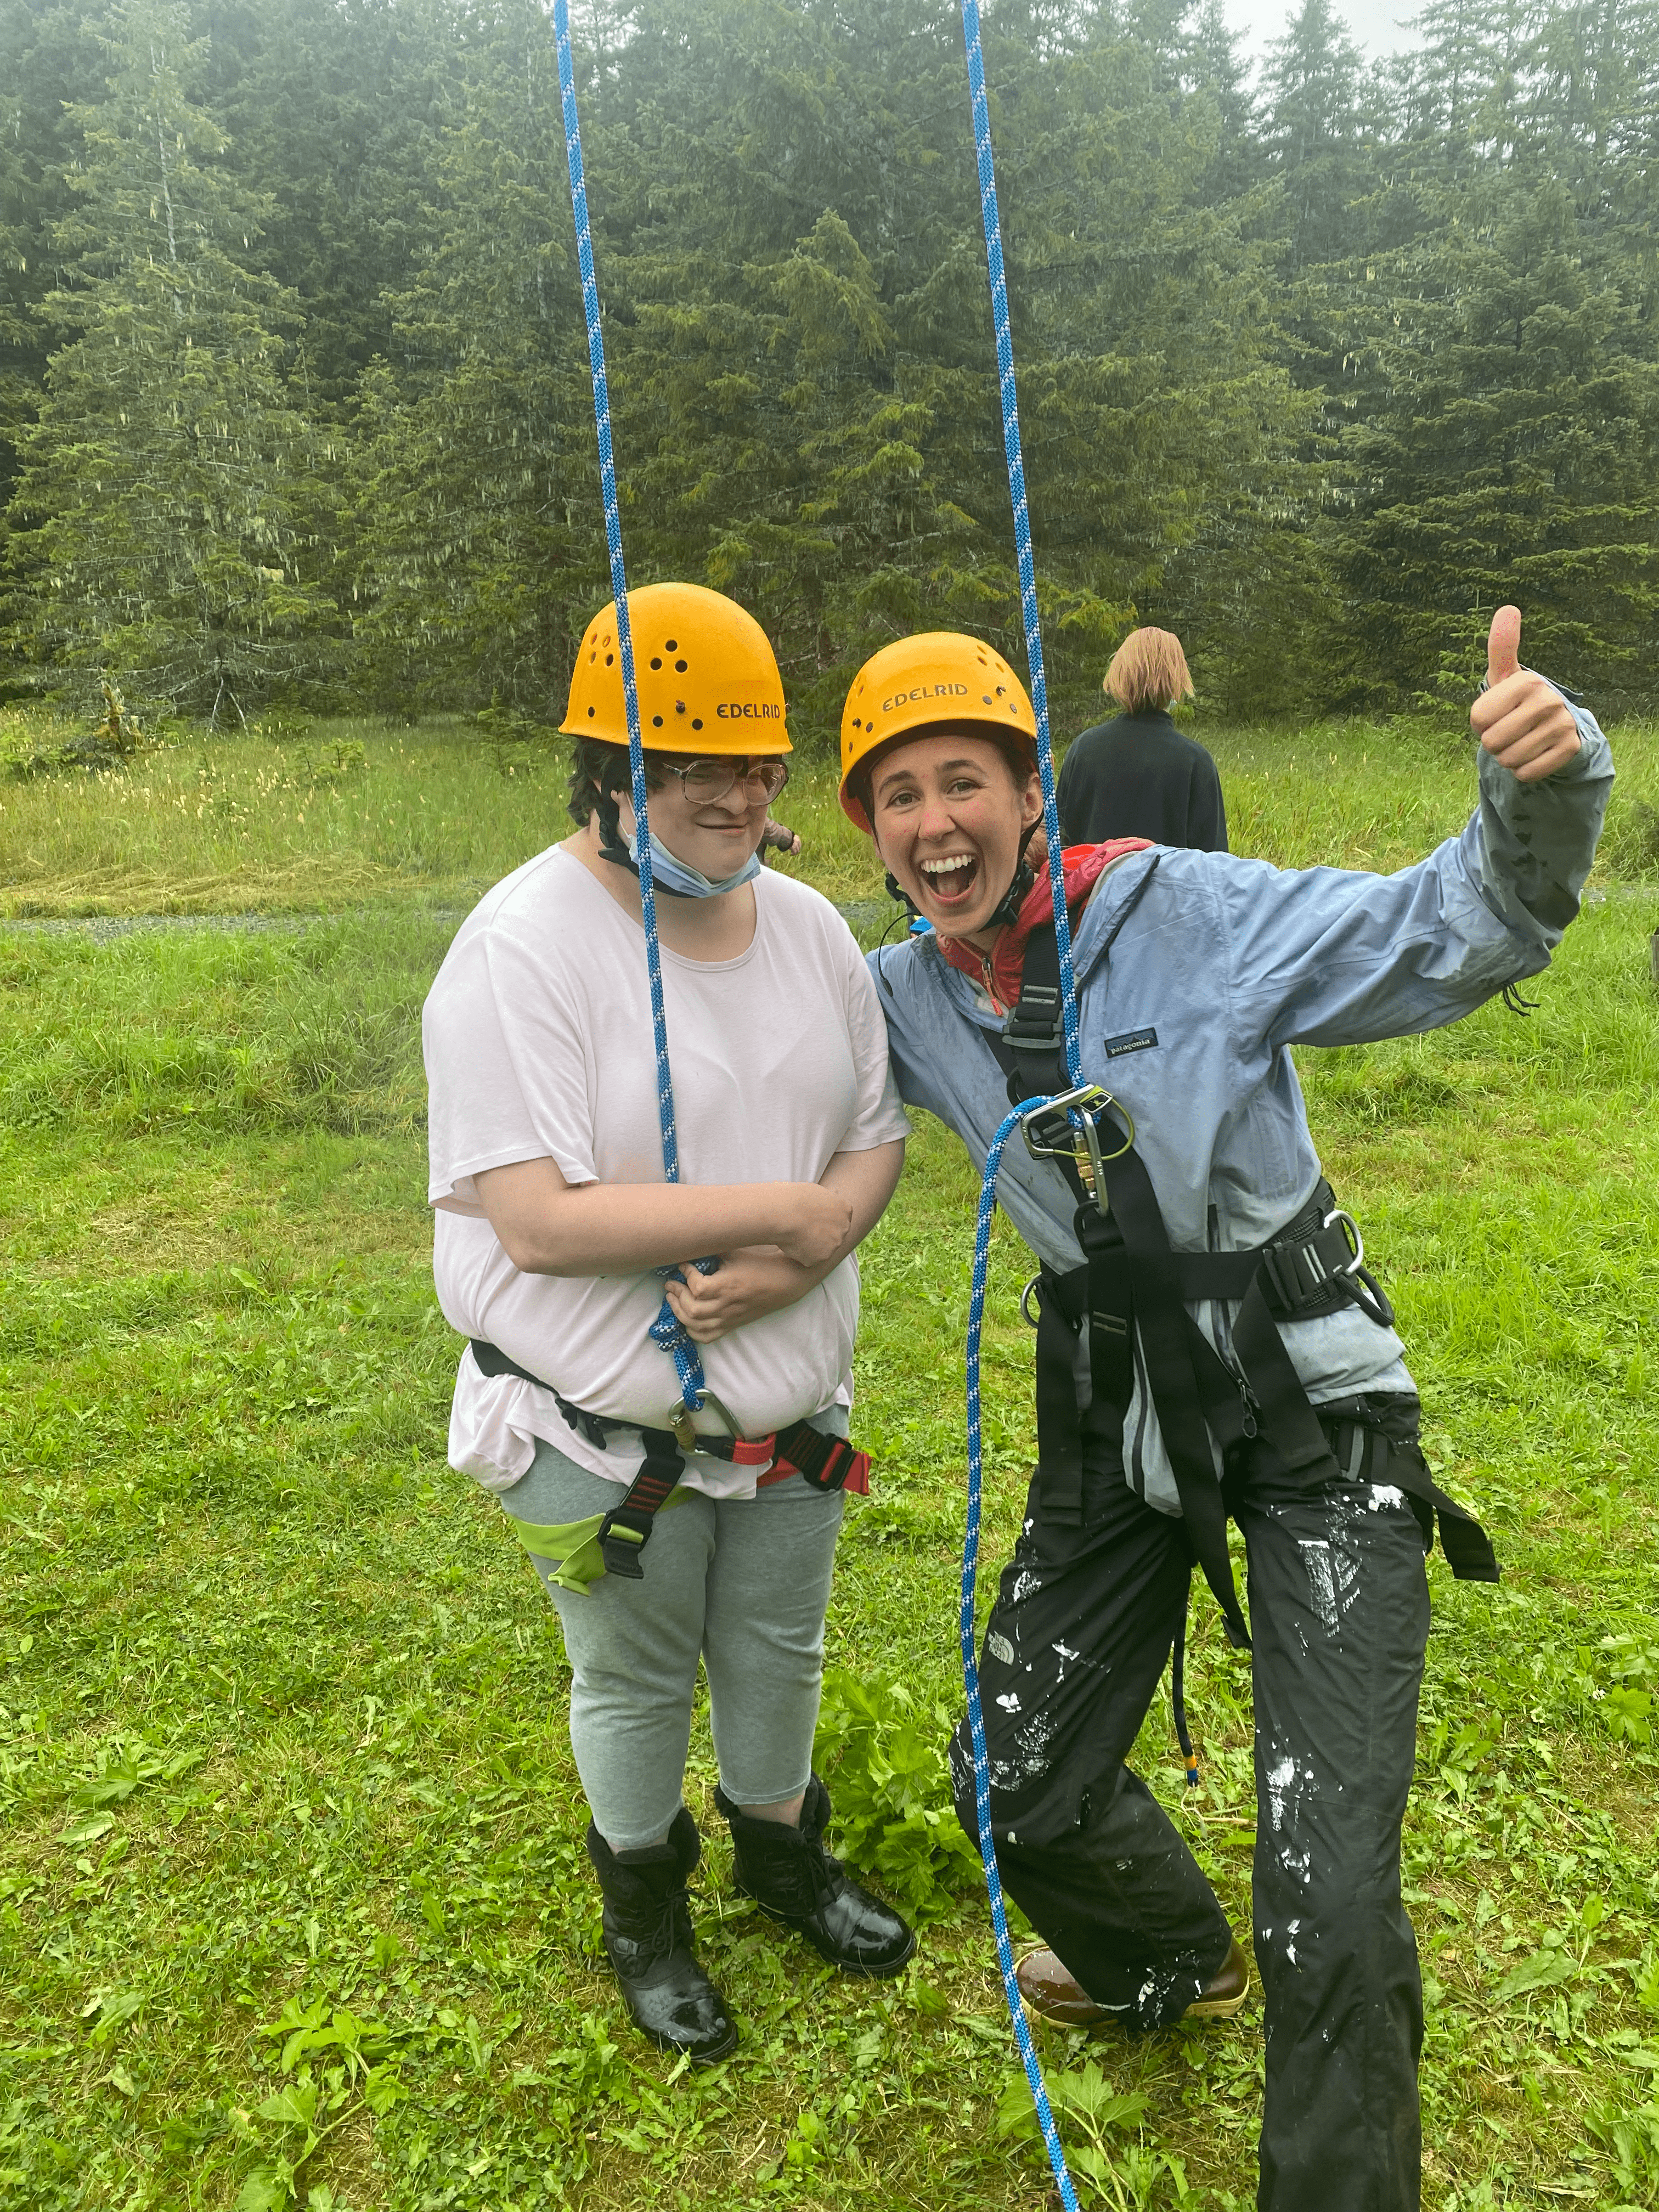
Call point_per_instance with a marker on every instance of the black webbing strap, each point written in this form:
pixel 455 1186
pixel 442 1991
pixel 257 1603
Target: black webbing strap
pixel 1366 1454
pixel 1032 1047
pixel 1154 1297
pixel 1466 1544
pixel 825 1461
pixel 1132 1279
pixel 598 1428
pixel 626 1528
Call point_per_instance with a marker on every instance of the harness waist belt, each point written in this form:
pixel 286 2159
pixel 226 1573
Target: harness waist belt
pixel 1310 1268
pixel 827 1462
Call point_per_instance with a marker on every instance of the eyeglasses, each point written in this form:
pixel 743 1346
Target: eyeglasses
pixel 705 782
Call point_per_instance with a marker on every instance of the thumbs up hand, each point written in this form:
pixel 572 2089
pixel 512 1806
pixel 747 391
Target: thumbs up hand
pixel 1523 722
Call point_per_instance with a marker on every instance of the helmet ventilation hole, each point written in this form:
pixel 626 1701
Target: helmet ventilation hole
pixel 656 721
pixel 986 697
pixel 697 721
pixel 670 645
pixel 608 658
pixel 680 664
pixel 657 661
pixel 590 713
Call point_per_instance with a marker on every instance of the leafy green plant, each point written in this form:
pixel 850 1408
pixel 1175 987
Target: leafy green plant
pixel 117 740
pixel 1631 2141
pixel 1093 2116
pixel 120 734
pixel 346 757
pixel 341 2065
pixel 882 1752
pixel 123 1766
pixel 1627 1706
pixel 281 726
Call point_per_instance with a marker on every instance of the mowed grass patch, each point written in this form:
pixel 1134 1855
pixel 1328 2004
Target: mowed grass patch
pixel 354 813
pixel 293 1839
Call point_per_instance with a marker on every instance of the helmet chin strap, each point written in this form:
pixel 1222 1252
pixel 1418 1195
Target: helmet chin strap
pixel 612 846
pixel 1006 909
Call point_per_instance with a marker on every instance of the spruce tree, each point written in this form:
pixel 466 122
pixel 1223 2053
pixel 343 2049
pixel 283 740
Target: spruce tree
pixel 1214 71
pixel 169 501
pixel 476 506
pixel 1506 446
pixel 1319 129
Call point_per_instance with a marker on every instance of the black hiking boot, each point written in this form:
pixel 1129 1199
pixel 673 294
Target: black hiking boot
pixel 791 1877
pixel 647 1939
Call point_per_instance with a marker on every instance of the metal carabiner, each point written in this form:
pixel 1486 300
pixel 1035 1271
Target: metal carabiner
pixel 1068 1127
pixel 679 1419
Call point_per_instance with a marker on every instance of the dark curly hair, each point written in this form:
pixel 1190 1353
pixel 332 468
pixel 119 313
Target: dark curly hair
pixel 599 771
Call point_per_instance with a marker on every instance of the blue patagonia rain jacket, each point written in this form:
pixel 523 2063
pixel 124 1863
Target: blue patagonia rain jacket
pixel 1224 964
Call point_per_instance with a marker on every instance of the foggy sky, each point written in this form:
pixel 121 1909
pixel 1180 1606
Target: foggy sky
pixel 1374 25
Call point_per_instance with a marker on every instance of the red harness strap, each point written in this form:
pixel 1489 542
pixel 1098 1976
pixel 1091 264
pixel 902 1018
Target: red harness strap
pixel 827 1462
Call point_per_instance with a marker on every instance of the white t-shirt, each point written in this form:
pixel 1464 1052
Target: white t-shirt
pixel 538 1045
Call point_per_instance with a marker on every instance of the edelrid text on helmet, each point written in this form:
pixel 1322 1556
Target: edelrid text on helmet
pixel 920 683
pixel 706 672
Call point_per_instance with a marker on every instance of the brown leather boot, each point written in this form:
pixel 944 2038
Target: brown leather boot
pixel 1053 1995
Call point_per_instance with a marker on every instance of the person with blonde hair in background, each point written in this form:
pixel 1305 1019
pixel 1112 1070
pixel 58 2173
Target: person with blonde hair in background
pixel 1138 775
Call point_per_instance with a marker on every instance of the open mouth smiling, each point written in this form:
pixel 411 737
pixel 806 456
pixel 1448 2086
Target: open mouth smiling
pixel 951 878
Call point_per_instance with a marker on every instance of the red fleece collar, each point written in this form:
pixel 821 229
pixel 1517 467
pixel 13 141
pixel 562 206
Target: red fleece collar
pixel 1083 866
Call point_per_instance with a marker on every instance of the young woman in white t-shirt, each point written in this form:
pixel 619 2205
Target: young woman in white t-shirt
pixel 554 1224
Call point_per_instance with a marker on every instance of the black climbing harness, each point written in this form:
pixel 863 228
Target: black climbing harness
pixel 1133 1289
pixel 827 1462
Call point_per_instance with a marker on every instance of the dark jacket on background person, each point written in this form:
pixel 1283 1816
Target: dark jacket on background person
pixel 1138 775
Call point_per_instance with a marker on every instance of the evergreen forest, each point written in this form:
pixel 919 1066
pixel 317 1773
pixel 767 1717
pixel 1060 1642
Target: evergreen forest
pixel 1319 361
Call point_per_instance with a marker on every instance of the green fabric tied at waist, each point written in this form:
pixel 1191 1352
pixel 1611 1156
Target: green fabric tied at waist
pixel 571 1548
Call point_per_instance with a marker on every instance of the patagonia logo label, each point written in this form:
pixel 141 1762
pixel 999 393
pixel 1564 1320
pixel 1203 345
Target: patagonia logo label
pixel 1131 1041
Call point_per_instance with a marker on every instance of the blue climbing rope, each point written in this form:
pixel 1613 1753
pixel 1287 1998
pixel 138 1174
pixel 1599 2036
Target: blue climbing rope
pixel 667 1330
pixel 988 1850
pixel 1016 459
pixel 1028 601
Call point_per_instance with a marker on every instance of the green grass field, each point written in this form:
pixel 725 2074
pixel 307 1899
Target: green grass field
pixel 292 1906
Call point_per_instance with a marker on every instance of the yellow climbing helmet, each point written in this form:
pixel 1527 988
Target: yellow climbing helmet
pixel 939 679
pixel 707 675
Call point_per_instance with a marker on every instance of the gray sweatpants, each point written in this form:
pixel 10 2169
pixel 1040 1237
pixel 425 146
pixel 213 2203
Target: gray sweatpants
pixel 742 1584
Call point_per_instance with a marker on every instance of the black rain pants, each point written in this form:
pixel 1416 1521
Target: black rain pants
pixel 1072 1655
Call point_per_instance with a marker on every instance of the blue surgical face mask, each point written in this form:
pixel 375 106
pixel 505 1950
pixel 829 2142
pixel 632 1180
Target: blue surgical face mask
pixel 674 874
